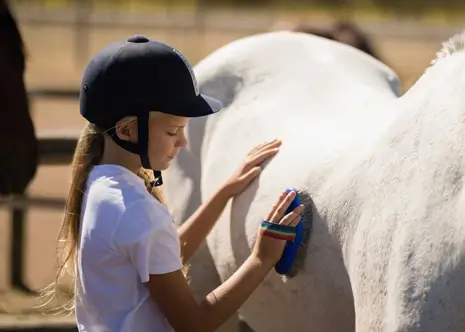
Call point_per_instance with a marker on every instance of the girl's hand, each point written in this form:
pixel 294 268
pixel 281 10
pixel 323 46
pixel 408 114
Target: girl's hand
pixel 250 169
pixel 268 249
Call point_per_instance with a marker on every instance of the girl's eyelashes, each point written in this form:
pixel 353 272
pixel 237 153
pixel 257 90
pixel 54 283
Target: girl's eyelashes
pixel 175 133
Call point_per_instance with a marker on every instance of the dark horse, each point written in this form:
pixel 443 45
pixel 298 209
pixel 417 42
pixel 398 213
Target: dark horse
pixel 19 150
pixel 18 141
pixel 343 32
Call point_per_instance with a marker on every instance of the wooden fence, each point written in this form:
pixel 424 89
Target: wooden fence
pixel 55 148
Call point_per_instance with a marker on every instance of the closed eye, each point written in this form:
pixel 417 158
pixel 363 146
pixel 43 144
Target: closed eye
pixel 178 128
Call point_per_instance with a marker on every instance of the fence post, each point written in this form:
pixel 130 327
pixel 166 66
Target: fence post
pixel 18 220
pixel 83 12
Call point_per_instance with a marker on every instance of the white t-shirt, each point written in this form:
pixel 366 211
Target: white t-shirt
pixel 126 234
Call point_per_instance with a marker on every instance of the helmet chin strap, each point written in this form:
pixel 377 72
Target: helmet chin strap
pixel 141 147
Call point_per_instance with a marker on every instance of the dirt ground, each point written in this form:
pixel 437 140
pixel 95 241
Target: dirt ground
pixel 52 63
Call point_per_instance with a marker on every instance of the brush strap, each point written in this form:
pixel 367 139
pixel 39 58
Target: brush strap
pixel 277 231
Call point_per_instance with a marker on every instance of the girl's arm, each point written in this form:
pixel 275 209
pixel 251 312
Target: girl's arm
pixel 174 298
pixel 194 231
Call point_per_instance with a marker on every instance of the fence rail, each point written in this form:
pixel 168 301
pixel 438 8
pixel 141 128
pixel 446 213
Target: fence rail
pixel 24 202
pixel 55 148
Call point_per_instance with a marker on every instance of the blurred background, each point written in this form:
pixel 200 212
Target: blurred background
pixel 61 35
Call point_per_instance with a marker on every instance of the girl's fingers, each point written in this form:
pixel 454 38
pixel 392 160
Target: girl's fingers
pixel 261 147
pixel 283 205
pixel 293 218
pixel 271 145
pixel 276 205
pixel 258 159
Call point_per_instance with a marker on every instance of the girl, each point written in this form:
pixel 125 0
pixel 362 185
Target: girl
pixel 121 242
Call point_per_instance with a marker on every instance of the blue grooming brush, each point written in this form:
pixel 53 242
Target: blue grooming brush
pixel 290 250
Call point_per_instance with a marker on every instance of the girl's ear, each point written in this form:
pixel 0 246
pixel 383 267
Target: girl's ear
pixel 127 132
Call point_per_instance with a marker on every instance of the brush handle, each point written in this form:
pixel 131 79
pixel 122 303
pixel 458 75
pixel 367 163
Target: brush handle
pixel 290 250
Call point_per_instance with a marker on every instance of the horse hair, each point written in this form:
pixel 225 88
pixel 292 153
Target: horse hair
pixel 16 45
pixel 455 44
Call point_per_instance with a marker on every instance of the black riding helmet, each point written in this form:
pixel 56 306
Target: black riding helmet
pixel 134 77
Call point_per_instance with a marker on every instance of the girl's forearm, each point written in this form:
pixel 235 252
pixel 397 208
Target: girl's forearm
pixel 195 229
pixel 221 303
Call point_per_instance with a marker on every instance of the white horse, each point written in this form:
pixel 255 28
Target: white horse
pixel 384 173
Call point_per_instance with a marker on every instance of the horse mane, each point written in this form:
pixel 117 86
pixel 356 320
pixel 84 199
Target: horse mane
pixel 455 44
pixel 9 27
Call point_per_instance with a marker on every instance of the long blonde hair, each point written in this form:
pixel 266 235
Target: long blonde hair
pixel 88 153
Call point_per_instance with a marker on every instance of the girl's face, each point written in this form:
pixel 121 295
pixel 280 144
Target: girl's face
pixel 166 138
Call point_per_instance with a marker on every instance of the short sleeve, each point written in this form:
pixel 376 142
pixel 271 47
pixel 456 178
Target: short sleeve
pixel 149 238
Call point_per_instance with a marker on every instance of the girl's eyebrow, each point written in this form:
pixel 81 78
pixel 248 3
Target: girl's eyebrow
pixel 177 126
